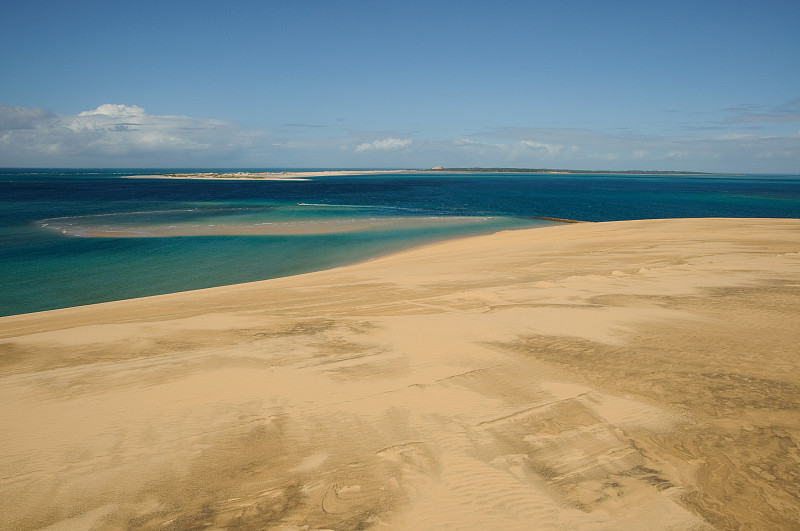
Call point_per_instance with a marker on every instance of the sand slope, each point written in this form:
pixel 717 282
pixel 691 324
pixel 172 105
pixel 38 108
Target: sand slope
pixel 625 375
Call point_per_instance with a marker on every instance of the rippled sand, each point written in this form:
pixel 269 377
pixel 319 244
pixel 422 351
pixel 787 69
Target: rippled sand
pixel 625 375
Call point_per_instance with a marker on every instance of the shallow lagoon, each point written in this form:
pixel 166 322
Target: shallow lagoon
pixel 72 237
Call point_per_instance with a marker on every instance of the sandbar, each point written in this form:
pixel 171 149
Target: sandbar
pixel 274 228
pixel 620 375
pixel 268 176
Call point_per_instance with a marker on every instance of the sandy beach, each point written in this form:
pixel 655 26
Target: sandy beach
pixel 620 375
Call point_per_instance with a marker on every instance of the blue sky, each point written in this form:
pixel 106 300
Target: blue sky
pixel 679 85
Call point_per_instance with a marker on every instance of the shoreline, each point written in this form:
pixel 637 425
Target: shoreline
pixel 559 221
pixel 305 175
pixel 584 375
pixel 267 176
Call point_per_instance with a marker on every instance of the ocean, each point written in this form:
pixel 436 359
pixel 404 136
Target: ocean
pixel 75 237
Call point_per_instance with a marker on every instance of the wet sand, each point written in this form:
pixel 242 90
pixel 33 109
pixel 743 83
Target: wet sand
pixel 624 375
pixel 328 226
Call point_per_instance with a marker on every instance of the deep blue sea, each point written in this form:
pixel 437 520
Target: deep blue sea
pixel 74 237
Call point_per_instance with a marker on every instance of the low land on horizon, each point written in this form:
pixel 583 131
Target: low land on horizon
pixel 550 170
pixel 614 375
pixel 300 175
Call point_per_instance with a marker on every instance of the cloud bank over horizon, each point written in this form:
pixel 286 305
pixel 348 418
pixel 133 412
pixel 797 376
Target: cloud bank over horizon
pixel 387 144
pixel 116 134
pixel 121 135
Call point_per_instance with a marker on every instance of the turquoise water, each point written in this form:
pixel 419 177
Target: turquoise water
pixel 72 237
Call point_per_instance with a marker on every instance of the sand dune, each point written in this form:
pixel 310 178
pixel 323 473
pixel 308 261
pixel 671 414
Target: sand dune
pixel 625 375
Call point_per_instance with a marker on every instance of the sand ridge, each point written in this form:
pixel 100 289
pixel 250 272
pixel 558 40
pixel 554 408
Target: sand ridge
pixel 623 375
pixel 331 226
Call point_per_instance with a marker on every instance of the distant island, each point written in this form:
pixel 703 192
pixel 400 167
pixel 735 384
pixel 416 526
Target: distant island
pixel 548 170
pixel 266 176
pixel 303 175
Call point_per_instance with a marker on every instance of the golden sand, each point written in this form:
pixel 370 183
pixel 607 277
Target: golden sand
pixel 624 375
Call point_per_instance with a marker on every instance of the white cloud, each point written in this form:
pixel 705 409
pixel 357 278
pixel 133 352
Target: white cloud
pixel 12 118
pixel 467 142
pixel 548 149
pixel 115 111
pixel 601 150
pixel 115 134
pixel 387 144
